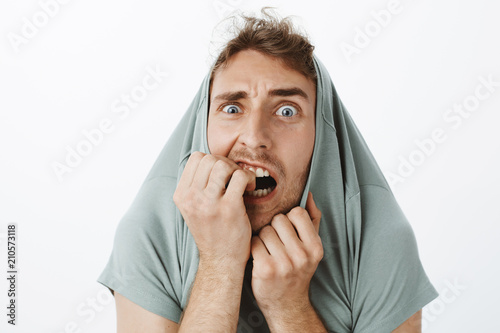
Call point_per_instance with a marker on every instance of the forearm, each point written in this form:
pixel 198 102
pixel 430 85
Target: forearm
pixel 214 303
pixel 301 318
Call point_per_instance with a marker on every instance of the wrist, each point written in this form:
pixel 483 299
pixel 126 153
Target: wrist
pixel 215 297
pixel 282 316
pixel 227 268
pixel 294 301
pixel 282 307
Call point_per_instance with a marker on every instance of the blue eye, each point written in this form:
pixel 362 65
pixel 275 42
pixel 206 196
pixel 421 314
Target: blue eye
pixel 231 109
pixel 287 111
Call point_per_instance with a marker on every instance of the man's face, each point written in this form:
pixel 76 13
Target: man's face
pixel 262 114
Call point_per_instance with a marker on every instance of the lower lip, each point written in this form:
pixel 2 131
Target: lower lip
pixel 257 200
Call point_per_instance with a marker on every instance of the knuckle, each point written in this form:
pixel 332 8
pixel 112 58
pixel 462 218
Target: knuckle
pixel 266 231
pixel 197 155
pixel 202 208
pixel 212 189
pixel 220 164
pixel 301 258
pixel 286 269
pixel 243 174
pixel 189 200
pixel 208 159
pixel 278 217
pixel 267 270
pixel 221 167
pixel 239 174
pixel 317 251
pixel 297 213
pixel 193 199
pixel 278 220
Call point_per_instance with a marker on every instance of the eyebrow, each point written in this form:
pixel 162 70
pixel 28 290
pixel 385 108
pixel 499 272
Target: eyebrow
pixel 231 96
pixel 289 92
pixel 283 92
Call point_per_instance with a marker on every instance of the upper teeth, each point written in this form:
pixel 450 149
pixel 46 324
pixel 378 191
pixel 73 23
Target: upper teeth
pixel 259 172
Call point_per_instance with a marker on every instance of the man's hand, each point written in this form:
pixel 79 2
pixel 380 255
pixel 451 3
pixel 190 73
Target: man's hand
pixel 285 257
pixel 217 219
pixel 216 216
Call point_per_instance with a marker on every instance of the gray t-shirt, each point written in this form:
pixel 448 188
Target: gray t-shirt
pixel 370 279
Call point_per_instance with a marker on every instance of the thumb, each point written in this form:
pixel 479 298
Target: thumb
pixel 313 211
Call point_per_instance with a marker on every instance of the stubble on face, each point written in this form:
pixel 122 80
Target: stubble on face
pixel 286 147
pixel 261 215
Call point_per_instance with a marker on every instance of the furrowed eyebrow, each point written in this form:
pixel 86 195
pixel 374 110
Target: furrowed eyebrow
pixel 285 92
pixel 289 92
pixel 231 96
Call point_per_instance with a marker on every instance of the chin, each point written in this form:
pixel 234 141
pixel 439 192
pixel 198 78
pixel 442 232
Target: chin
pixel 258 222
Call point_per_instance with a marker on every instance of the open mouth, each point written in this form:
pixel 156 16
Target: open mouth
pixel 265 184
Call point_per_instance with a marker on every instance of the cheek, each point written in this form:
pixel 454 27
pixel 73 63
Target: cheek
pixel 219 141
pixel 298 148
pixel 305 140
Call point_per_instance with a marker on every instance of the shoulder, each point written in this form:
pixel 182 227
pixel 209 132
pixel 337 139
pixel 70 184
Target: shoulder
pixel 380 211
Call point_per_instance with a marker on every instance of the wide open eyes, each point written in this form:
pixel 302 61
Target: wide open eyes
pixel 287 111
pixel 231 108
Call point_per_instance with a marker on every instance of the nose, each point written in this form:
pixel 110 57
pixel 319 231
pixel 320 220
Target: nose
pixel 255 131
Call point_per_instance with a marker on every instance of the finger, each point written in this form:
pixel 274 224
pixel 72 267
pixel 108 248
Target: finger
pixel 313 211
pixel 272 242
pixel 220 175
pixel 286 232
pixel 190 169
pixel 258 248
pixel 203 171
pixel 301 220
pixel 241 181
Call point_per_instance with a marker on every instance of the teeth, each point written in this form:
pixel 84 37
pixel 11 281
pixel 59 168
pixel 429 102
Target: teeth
pixel 259 172
pixel 259 193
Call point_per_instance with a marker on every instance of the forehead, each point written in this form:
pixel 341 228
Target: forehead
pixel 251 72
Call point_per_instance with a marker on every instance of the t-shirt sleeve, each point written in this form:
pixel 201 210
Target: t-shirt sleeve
pixel 390 282
pixel 143 265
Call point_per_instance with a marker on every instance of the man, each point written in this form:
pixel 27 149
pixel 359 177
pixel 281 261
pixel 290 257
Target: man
pixel 225 235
